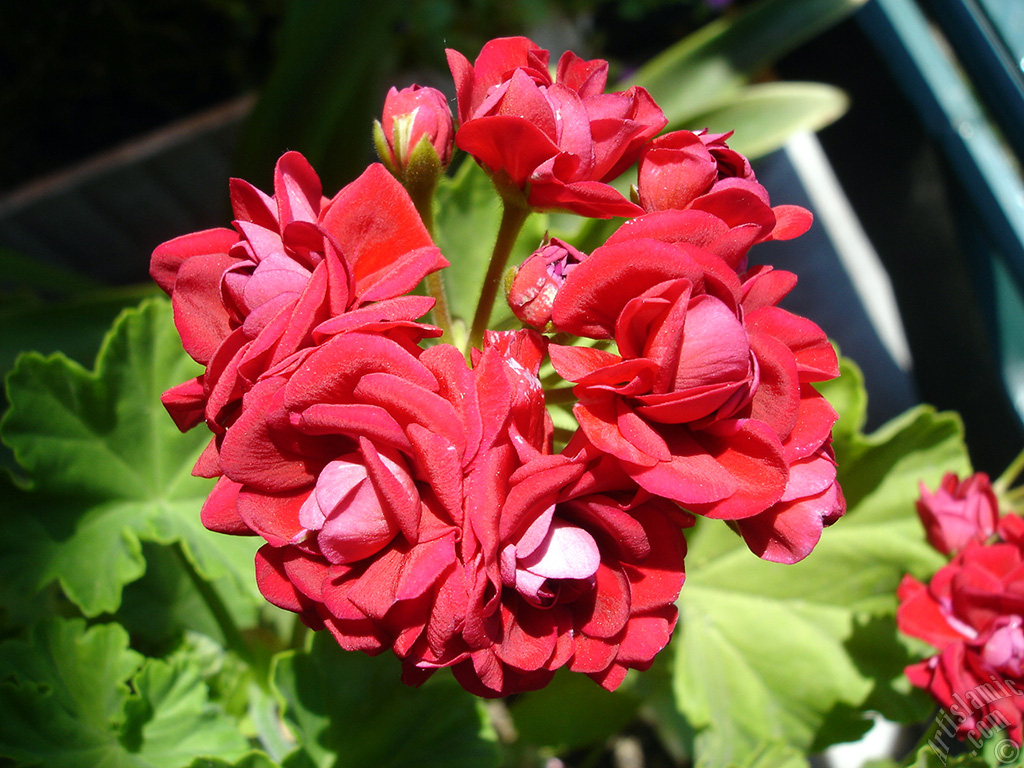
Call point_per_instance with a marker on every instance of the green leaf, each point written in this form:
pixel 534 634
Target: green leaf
pixel 927 757
pixel 571 712
pixel 164 603
pixel 773 756
pixel 717 60
pixel 63 691
pixel 788 653
pixel 251 760
pixel 171 720
pixel 763 116
pixel 107 468
pixel 467 217
pixel 849 397
pixel 348 709
pixel 759 667
pixel 65 702
pixel 75 325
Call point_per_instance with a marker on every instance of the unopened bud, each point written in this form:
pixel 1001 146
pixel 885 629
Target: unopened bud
pixel 532 288
pixel 415 127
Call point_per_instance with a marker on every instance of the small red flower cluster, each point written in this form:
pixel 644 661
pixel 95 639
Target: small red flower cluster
pixel 972 610
pixel 413 503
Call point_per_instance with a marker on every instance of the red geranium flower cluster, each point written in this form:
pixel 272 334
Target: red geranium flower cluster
pixel 972 610
pixel 415 503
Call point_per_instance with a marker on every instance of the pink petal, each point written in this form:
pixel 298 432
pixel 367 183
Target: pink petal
pixel 567 552
pixel 357 528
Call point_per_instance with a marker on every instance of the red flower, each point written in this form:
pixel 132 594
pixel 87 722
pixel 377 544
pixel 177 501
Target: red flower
pixel 412 115
pixel 577 572
pixel 973 612
pixel 958 512
pixel 709 400
pixel 297 269
pixel 729 211
pixel 351 465
pixel 557 141
pixel 411 503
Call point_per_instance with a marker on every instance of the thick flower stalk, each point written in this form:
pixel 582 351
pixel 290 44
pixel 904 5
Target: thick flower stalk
pixel 411 494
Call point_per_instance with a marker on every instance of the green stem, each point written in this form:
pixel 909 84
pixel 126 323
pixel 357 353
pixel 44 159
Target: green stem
pixel 513 216
pixel 559 395
pixel 422 193
pixel 232 636
pixel 1013 499
pixel 441 314
pixel 1010 474
pixel 564 435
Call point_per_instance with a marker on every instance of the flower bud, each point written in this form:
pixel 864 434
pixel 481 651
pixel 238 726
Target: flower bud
pixel 959 512
pixel 532 287
pixel 415 129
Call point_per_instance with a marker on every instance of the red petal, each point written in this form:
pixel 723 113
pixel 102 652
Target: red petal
pixel 199 312
pixel 297 189
pixel 777 398
pixel 185 403
pixel 249 453
pixel 592 655
pixel 790 221
pixel 752 454
pixel 920 615
pixel 584 198
pixel 645 637
pixel 219 512
pixel 383 250
pixel 275 517
pixel 424 565
pixel 587 78
pixel 403 506
pixel 594 294
pixel 766 287
pixel 530 636
pixel 607 614
pixel 507 143
pixel 274 584
pixel 355 419
pixel 598 417
pixel 168 257
pixel 815 357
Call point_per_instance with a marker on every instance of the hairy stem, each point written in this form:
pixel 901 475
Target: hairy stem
pixel 559 395
pixel 422 194
pixel 1011 473
pixel 513 216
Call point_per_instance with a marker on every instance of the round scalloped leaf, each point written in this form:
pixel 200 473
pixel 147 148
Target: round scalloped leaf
pixel 106 468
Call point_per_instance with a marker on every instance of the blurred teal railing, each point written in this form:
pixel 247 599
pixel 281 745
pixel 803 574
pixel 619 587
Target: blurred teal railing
pixel 961 69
